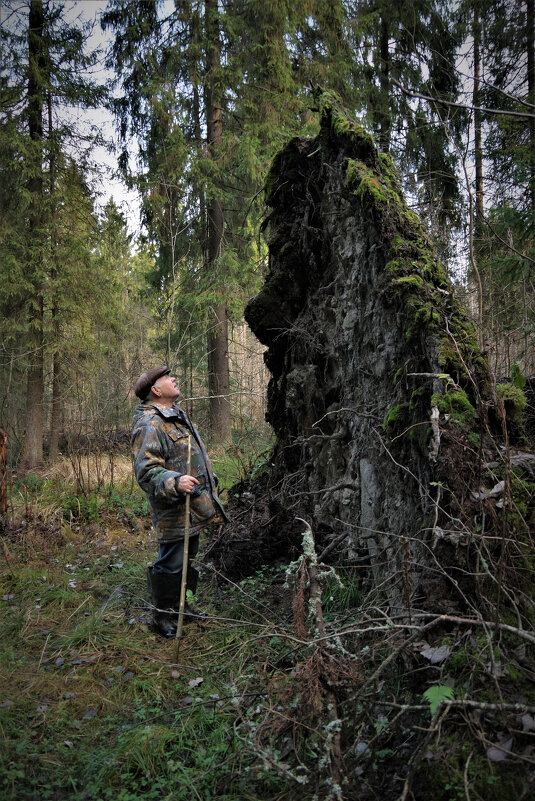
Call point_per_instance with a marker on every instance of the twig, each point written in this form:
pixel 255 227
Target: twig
pixel 465 776
pixel 43 651
pixel 326 551
pixel 450 103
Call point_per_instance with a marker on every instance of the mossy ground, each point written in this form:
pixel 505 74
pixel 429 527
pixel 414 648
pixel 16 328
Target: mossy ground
pixel 93 705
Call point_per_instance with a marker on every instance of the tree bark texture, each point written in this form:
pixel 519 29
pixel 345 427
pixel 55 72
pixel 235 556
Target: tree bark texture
pixel 384 78
pixel 478 122
pixel 218 360
pixel 56 410
pixel 530 41
pixel 372 361
pixel 32 450
pixel 477 223
pixel 3 479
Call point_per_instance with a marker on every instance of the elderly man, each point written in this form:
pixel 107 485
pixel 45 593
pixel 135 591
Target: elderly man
pixel 160 452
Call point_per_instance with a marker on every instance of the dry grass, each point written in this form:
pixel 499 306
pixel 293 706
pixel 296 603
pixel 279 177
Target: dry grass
pixel 92 469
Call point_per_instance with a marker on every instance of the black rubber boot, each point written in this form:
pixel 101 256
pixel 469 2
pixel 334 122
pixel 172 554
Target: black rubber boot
pixel 164 592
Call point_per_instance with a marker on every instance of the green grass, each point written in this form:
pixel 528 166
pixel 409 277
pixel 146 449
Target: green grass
pixel 91 704
pixel 244 458
pixel 94 708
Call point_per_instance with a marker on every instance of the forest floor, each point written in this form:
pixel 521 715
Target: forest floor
pixel 295 687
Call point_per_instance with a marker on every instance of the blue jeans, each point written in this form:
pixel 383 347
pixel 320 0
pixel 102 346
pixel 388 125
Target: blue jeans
pixel 171 555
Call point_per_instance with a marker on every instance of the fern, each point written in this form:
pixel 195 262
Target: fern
pixel 436 694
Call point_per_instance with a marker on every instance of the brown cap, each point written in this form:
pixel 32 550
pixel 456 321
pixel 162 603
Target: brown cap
pixel 147 379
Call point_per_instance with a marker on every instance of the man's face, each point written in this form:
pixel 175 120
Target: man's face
pixel 167 389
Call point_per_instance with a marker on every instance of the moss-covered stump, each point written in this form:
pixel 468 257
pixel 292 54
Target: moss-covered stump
pixel 379 394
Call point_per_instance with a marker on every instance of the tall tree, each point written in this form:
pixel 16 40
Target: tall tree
pixel 185 103
pixel 506 240
pixel 218 358
pixel 47 55
pixel 408 50
pixel 75 290
pixel 32 454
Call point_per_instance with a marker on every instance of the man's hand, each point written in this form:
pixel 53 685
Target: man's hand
pixel 186 483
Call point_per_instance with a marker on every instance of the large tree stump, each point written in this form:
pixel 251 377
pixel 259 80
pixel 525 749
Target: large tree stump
pixel 379 392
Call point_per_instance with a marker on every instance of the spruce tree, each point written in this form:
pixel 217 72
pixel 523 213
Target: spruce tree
pixel 43 63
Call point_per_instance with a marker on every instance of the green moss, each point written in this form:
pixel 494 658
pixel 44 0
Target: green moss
pixel 397 375
pixel 514 406
pixel 421 314
pixel 388 166
pixel 397 266
pixel 456 403
pixel 330 106
pixel 474 440
pixel 523 493
pixel 458 661
pixel 409 280
pixel 369 185
pixel 395 414
pixel 514 401
pixel 415 397
pixel 514 672
pixel 459 349
pixel 381 188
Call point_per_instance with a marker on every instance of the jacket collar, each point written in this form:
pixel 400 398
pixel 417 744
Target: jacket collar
pixel 168 412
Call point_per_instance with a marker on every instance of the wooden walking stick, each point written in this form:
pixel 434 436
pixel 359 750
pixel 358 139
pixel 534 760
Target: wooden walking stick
pixel 180 624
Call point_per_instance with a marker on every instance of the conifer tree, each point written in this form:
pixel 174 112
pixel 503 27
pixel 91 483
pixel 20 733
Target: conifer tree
pixel 44 55
pixel 503 37
pixel 200 142
pixel 32 453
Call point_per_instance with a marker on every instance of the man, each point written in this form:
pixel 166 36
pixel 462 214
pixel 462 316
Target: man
pixel 160 453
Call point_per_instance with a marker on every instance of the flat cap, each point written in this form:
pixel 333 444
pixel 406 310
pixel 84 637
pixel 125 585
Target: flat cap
pixel 147 379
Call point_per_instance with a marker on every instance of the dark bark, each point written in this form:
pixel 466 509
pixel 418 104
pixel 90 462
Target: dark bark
pixel 218 362
pixel 530 39
pixel 478 148
pixel 3 480
pixel 56 411
pixel 368 348
pixel 384 78
pixel 477 223
pixel 32 451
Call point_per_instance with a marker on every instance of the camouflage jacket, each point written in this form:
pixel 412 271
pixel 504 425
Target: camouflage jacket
pixel 160 454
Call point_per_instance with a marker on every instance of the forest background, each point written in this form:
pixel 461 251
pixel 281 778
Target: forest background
pixel 204 95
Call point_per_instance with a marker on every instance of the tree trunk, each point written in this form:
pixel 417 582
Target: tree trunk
pixel 384 78
pixel 476 224
pixel 32 451
pixel 3 480
pixel 478 149
pixel 530 39
pixel 218 360
pixel 55 413
pixel 55 417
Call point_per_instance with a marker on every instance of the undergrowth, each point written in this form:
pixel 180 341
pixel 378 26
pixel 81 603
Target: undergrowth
pixel 300 685
pixel 81 491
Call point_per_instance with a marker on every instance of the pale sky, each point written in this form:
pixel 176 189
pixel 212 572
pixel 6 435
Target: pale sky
pixel 106 163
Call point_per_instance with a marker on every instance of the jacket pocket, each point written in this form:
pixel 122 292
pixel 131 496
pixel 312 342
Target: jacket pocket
pixel 178 451
pixel 202 506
